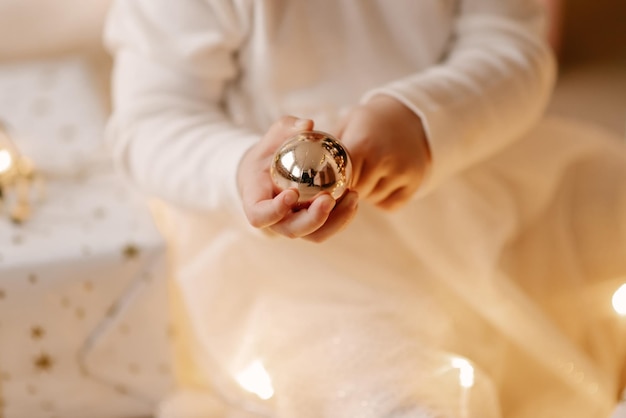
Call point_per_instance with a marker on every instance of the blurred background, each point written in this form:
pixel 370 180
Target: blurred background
pixel 589 36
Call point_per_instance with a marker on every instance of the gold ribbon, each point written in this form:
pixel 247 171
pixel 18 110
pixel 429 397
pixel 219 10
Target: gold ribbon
pixel 17 179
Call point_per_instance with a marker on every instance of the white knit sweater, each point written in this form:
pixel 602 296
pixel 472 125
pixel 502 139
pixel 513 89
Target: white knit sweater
pixel 211 76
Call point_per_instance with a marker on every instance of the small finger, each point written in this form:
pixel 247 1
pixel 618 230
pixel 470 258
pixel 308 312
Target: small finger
pixel 365 181
pixel 268 212
pixel 396 199
pixel 384 188
pixel 341 216
pixel 306 221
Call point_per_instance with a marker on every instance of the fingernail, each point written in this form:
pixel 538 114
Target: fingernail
pixel 301 123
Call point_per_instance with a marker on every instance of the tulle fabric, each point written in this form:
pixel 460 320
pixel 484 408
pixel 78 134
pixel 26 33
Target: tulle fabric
pixel 489 298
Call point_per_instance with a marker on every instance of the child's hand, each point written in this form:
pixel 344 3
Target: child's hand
pixel 390 154
pixel 322 219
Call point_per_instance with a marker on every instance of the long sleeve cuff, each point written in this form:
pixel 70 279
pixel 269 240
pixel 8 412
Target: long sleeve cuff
pixel 492 88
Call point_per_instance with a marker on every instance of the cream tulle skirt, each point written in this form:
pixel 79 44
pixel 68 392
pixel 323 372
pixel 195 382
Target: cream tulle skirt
pixel 489 298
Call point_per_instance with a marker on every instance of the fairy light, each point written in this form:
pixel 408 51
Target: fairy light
pixel 18 177
pixel 619 300
pixel 466 380
pixel 255 379
pixel 466 372
pixel 6 161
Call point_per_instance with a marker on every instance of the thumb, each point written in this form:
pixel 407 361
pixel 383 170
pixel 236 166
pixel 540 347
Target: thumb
pixel 284 128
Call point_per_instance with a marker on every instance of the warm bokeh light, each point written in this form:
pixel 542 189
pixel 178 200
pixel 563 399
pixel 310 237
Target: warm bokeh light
pixel 6 160
pixel 619 300
pixel 466 371
pixel 255 379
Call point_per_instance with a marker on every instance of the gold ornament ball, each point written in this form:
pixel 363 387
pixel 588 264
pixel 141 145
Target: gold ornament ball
pixel 312 162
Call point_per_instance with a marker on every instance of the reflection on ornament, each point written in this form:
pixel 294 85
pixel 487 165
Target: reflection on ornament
pixel 619 300
pixel 255 379
pixel 312 162
pixel 17 178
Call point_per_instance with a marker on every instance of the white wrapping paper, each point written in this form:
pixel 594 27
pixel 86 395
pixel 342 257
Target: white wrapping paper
pixel 83 305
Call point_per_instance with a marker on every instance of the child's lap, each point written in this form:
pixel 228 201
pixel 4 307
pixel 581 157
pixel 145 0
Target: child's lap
pixel 390 279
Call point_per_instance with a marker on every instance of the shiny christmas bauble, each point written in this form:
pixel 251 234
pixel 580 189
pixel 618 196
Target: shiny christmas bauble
pixel 312 162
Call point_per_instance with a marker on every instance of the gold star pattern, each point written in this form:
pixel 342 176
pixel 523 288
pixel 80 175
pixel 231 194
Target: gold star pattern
pixel 88 286
pixel 112 310
pixel 47 405
pixel 43 362
pixel 171 332
pixel 147 277
pixel 130 252
pixel 121 389
pixel 99 213
pixel 37 332
pixel 40 107
pixel 47 77
pixel 67 133
pixel 80 313
pixel 124 329
pixel 134 368
pixel 19 215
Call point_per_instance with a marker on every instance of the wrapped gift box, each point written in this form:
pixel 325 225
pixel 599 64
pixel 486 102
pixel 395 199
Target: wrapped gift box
pixel 55 114
pixel 83 304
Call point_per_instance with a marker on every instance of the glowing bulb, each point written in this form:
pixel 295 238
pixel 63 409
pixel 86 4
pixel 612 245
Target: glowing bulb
pixel 6 160
pixel 255 379
pixel 466 372
pixel 619 300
